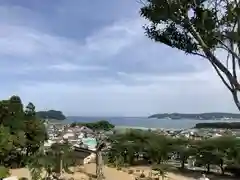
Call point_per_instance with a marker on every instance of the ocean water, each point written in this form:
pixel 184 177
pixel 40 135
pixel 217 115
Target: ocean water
pixel 143 122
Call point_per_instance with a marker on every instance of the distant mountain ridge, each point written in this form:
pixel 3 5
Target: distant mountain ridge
pixel 51 114
pixel 197 116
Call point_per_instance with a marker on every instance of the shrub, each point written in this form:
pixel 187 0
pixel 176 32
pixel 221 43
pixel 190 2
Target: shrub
pixel 119 168
pixel 4 172
pixel 142 175
pixel 23 178
pixel 130 171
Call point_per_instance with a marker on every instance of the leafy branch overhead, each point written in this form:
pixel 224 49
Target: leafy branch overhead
pixel 199 27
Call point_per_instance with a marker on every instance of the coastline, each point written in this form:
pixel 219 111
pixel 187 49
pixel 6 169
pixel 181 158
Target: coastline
pixel 145 123
pixel 134 127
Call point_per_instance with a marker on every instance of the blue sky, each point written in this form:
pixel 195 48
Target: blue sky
pixel 91 57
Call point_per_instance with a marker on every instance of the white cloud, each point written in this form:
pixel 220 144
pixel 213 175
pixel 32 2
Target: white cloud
pixel 115 98
pixel 31 45
pixel 112 39
pixel 75 67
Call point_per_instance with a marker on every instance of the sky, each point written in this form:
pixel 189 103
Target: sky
pixel 91 58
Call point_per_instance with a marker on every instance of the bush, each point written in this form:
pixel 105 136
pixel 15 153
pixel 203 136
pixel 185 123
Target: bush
pixel 23 178
pixel 4 172
pixel 130 171
pixel 142 175
pixel 119 168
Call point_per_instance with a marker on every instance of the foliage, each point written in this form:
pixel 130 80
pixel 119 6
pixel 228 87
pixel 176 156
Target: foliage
pixel 96 126
pixel 183 148
pixel 219 125
pixel 34 130
pixel 136 146
pixel 51 114
pixel 21 133
pixel 202 28
pixel 4 172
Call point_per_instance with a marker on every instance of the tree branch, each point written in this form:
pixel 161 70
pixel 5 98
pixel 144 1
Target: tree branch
pixel 235 98
pixel 230 87
pixel 198 54
pixel 228 49
pixel 210 56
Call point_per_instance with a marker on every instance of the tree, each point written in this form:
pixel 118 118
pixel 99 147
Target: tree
pixel 223 148
pixel 12 125
pixel 214 152
pixel 136 146
pixel 21 133
pixel 51 114
pixel 96 126
pixel 158 148
pixel 183 149
pixel 35 130
pixel 202 28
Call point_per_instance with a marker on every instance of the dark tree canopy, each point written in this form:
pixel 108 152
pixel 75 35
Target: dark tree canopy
pixel 51 114
pixel 202 28
pixel 219 125
pixel 96 126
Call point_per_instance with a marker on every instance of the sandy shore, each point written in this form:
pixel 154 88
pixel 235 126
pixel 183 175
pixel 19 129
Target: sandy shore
pixel 109 173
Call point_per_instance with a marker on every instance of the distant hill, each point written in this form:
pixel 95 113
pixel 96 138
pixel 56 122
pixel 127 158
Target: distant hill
pixel 51 114
pixel 204 116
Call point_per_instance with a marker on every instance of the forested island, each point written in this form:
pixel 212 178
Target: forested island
pixel 51 114
pixel 98 125
pixel 219 125
pixel 200 116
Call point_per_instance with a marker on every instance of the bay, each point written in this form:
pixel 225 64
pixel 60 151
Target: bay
pixel 144 122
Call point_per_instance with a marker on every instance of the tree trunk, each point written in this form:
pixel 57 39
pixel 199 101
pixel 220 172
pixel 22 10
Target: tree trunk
pixel 159 160
pixel 99 165
pixel 221 167
pixel 222 170
pixel 235 98
pixel 208 167
pixel 182 164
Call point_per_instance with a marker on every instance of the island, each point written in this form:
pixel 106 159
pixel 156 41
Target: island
pixel 51 114
pixel 195 116
pixel 98 125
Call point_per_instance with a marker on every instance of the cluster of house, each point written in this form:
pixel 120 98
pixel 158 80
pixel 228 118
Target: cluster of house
pixel 197 134
pixel 78 136
pixel 82 136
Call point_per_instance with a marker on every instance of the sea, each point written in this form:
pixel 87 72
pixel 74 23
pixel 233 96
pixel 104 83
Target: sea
pixel 145 123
